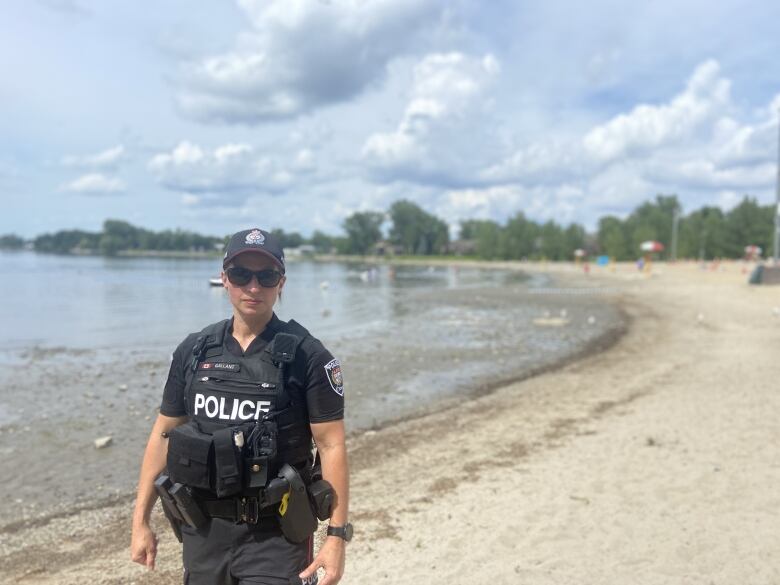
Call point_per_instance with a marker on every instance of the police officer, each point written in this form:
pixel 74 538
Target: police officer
pixel 232 548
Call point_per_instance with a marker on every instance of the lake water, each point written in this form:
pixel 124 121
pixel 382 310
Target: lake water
pixel 95 302
pixel 85 345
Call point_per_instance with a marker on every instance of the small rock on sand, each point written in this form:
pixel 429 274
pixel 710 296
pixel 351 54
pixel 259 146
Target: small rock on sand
pixel 102 442
pixel 551 322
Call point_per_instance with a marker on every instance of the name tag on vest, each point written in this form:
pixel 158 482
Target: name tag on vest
pixel 224 366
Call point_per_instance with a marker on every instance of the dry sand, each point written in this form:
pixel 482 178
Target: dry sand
pixel 655 461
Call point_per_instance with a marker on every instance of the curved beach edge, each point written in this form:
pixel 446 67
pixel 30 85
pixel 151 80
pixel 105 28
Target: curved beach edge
pixel 648 461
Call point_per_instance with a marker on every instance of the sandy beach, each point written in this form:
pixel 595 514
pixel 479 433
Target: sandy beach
pixel 653 461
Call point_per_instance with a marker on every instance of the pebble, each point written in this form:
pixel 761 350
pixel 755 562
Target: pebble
pixel 123 387
pixel 591 320
pixel 102 442
pixel 700 317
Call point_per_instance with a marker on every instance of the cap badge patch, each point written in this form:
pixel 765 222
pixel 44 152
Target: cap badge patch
pixel 333 369
pixel 255 237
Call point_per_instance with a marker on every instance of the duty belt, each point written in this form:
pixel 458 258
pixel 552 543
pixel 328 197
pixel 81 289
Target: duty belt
pixel 238 509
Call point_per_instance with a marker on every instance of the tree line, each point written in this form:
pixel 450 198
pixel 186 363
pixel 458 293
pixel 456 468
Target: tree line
pixel 120 236
pixel 407 229
pixel 706 233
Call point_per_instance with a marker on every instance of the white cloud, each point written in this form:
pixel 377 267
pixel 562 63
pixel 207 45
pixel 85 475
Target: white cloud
pixel 442 135
pixel 488 203
pixel 540 162
pixel 302 54
pixel 227 174
pixel 647 126
pixel 736 144
pixel 95 184
pixel 67 7
pixel 106 158
pixel 190 200
pixel 695 143
pixel 702 174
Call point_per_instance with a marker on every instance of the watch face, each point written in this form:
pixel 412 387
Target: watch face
pixel 348 532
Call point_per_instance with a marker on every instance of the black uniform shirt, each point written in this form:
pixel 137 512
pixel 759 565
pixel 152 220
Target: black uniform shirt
pixel 308 375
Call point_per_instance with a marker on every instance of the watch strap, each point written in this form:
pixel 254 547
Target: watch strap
pixel 344 532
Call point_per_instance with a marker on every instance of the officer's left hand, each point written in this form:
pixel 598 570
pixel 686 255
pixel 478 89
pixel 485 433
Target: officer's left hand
pixel 331 558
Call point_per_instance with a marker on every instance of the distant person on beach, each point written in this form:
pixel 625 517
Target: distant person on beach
pixel 230 454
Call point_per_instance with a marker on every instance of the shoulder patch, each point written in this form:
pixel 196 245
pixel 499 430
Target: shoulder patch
pixel 333 370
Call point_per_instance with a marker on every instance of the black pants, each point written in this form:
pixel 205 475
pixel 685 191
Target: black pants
pixel 225 553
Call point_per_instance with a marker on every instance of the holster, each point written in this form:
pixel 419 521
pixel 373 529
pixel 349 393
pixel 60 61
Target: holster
pixel 296 517
pixel 162 484
pixel 187 505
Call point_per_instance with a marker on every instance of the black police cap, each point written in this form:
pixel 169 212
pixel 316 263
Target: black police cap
pixel 255 240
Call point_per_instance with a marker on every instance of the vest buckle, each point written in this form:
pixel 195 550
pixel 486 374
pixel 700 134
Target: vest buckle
pixel 247 510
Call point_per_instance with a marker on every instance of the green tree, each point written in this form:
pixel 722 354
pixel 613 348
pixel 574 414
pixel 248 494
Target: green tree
pixel 702 234
pixel 288 239
pixel 521 235
pixel 573 238
pixel 553 245
pixel 487 236
pixel 110 245
pixel 11 242
pixel 747 224
pixel 118 235
pixel 65 241
pixel 364 230
pixel 612 238
pixel 652 221
pixel 416 231
pixel 322 242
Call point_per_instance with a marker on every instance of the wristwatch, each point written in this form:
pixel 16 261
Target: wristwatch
pixel 344 532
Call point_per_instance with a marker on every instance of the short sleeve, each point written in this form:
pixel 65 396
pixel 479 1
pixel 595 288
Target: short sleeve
pixel 173 394
pixel 324 384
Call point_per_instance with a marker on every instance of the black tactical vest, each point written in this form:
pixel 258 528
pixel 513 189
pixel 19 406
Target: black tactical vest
pixel 227 394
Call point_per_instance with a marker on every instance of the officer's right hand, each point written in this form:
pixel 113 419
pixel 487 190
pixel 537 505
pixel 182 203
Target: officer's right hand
pixel 143 546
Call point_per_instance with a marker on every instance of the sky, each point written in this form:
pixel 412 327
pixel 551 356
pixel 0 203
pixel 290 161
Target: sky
pixel 215 116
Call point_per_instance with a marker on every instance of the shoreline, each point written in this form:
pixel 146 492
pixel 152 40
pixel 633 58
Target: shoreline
pixel 115 508
pixel 107 495
pixel 645 462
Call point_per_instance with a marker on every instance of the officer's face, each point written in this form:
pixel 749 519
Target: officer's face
pixel 252 300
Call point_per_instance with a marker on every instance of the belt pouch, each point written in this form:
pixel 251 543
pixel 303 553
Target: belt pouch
pixel 229 466
pixel 321 494
pixel 261 454
pixel 190 457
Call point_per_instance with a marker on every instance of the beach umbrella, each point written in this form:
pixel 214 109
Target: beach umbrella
pixel 579 253
pixel 651 246
pixel 753 251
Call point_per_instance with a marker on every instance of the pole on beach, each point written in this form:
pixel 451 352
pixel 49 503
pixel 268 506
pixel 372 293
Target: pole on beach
pixel 675 224
pixel 777 194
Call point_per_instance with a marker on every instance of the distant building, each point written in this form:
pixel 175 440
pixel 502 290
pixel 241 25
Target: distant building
pixel 462 247
pixel 386 248
pixel 300 251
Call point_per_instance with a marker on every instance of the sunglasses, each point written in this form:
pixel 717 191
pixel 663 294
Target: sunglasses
pixel 240 276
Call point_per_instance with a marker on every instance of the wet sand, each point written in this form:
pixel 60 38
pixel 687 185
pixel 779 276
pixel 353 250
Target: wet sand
pixel 653 461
